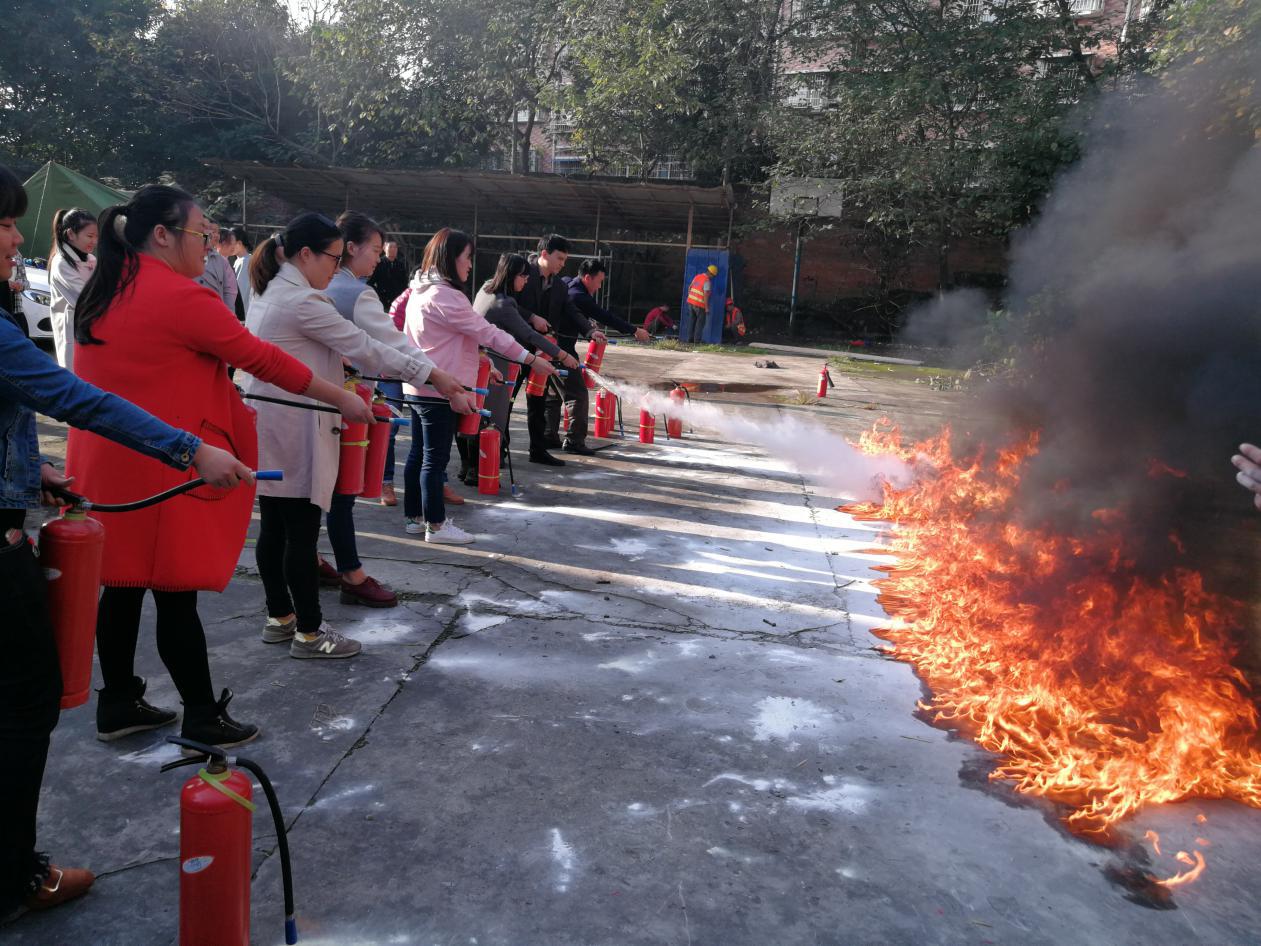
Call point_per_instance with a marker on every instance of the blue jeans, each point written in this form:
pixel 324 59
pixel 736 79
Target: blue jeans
pixel 341 532
pixel 426 467
pixel 391 389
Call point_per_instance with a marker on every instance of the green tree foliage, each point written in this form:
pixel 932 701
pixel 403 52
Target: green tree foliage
pixel 692 78
pixel 944 120
pixel 64 96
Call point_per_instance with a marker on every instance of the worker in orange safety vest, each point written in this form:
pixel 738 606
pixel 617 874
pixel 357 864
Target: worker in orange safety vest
pixel 733 325
pixel 698 302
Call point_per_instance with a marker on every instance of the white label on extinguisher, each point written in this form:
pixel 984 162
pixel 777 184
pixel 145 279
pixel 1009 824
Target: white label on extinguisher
pixel 195 865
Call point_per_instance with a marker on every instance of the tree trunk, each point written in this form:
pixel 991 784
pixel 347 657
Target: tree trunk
pixel 944 277
pixel 527 137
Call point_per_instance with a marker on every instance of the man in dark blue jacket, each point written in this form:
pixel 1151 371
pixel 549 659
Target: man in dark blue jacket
pixel 583 310
pixel 547 295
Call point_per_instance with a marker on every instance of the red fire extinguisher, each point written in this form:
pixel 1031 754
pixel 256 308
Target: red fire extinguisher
pixel 674 425
pixel 470 423
pixel 593 362
pixel 603 413
pixel 354 449
pixel 378 447
pixel 647 426
pixel 564 416
pixel 825 381
pixel 488 444
pixel 216 830
pixel 536 386
pixel 70 550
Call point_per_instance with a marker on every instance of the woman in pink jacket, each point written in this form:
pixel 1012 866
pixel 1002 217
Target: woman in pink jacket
pixel 445 326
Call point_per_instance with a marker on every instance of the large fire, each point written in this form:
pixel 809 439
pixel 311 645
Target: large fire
pixel 1098 688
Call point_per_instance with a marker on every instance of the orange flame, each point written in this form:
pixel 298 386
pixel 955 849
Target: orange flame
pixel 1098 687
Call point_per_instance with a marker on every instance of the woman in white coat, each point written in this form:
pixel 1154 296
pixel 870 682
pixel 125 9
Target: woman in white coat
pixel 288 275
pixel 70 263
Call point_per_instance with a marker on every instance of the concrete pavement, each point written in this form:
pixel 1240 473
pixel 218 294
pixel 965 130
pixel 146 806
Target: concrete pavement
pixel 645 708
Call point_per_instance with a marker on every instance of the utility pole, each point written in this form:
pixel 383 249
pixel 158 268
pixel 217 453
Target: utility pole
pixel 792 304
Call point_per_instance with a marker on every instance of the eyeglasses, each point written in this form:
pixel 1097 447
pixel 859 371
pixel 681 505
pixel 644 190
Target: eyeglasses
pixel 205 237
pixel 335 256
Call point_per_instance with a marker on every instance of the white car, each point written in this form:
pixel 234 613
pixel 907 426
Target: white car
pixel 36 303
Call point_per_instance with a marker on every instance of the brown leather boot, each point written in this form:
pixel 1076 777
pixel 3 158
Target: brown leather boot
pixel 388 496
pixel 369 592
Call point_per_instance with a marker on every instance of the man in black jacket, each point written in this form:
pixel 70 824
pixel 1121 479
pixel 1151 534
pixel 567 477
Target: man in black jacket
pixel 390 277
pixel 546 295
pixel 583 310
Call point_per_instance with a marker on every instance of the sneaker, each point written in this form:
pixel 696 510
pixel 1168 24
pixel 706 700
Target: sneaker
pixel 279 632
pixel 451 497
pixel 369 592
pixel 448 534
pixel 579 448
pixel 546 459
pixel 414 526
pixel 329 645
pixel 61 885
pixel 330 577
pixel 212 725
pixel 118 716
pixel 388 496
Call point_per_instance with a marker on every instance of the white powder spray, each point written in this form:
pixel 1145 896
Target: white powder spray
pixel 818 454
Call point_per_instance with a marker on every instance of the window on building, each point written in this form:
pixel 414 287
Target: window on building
pixel 978 9
pixel 1063 75
pixel 809 90
pixel 1084 7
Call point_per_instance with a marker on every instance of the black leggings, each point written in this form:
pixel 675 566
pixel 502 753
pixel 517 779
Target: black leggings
pixel 285 554
pixel 181 642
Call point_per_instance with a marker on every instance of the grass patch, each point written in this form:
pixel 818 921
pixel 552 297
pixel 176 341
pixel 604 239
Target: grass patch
pixel 879 369
pixel 673 344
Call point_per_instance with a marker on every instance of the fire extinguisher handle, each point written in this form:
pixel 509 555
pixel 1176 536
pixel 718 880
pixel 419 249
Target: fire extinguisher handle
pixel 75 498
pixel 179 763
pixel 214 753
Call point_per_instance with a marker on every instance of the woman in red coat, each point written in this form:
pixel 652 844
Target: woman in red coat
pixel 146 331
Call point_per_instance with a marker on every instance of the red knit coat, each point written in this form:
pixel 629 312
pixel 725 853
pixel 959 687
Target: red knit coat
pixel 167 344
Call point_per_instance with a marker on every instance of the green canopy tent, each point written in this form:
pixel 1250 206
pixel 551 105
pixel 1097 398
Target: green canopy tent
pixel 51 188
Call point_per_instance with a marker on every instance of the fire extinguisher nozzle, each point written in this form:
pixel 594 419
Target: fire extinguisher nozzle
pixel 562 373
pixel 484 412
pixel 481 391
pixel 274 475
pixel 291 931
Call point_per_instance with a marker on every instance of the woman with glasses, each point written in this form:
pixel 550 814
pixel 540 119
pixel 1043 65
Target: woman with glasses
pixel 288 276
pixel 146 331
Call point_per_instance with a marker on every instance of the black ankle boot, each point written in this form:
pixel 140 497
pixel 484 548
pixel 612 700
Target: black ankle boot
pixel 211 724
pixel 125 712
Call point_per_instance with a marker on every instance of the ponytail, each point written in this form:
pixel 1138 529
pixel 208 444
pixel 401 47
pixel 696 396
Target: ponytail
pixel 124 232
pixel 306 231
pixel 264 263
pixel 66 222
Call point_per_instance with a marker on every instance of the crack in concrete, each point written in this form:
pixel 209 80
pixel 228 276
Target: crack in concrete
pixel 404 678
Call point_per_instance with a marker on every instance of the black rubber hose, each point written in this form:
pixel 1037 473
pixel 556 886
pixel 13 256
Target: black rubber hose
pixel 282 845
